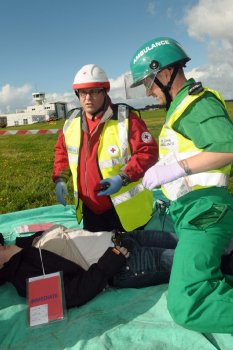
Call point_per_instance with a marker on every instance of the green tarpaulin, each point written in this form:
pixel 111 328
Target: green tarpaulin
pixel 115 319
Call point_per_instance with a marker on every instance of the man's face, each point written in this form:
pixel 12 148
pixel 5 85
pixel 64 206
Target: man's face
pixel 91 100
pixel 152 89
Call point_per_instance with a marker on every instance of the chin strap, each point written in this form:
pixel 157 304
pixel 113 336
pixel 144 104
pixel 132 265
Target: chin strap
pixel 166 88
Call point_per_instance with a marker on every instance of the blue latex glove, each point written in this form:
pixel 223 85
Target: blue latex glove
pixel 61 191
pixel 114 184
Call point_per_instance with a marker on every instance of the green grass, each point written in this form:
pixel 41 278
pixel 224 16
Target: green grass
pixel 27 165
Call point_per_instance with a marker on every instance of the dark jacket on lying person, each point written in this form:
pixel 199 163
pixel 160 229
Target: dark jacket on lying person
pixel 80 286
pixel 149 263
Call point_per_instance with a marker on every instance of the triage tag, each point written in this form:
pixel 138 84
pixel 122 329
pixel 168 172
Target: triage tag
pixel 45 299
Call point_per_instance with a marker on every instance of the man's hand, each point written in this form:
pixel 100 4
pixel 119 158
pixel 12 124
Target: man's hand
pixel 113 184
pixel 117 250
pixel 158 175
pixel 61 191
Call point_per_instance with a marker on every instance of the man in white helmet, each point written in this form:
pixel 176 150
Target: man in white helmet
pixel 107 148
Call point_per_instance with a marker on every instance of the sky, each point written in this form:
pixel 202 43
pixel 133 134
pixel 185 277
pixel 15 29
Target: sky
pixel 44 43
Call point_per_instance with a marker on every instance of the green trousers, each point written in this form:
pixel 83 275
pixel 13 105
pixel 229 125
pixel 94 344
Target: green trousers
pixel 200 297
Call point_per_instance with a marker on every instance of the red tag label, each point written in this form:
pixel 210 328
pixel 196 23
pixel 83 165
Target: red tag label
pixel 45 299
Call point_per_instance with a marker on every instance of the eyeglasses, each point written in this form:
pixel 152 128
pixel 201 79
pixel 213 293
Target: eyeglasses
pixel 91 92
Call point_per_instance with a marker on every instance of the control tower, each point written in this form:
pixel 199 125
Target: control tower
pixel 39 98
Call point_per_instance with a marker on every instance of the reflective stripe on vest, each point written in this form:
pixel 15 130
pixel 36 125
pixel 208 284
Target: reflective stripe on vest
pixel 113 154
pixel 123 114
pixel 174 147
pixel 72 140
pixel 128 200
pixel 118 199
pixel 72 132
pixel 111 162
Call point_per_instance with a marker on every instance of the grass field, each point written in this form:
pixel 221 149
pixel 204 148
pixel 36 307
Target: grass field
pixel 27 163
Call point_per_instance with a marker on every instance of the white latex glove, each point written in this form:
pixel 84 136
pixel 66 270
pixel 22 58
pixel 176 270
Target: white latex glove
pixel 158 175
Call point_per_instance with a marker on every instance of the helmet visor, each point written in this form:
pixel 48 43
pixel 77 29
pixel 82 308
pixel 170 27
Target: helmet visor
pixel 138 91
pixel 149 75
pixel 133 92
pixel 149 81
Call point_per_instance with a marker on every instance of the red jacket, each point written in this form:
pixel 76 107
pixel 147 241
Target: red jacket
pixel 144 152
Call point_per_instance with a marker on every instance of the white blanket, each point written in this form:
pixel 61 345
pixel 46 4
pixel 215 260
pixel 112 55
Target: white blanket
pixel 80 246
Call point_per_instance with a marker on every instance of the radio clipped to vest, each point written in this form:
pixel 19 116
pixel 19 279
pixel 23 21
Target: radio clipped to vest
pixel 195 88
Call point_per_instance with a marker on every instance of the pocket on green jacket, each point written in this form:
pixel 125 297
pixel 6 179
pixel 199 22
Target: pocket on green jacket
pixel 208 214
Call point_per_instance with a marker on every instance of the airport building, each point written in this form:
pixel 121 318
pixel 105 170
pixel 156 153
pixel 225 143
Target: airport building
pixel 41 111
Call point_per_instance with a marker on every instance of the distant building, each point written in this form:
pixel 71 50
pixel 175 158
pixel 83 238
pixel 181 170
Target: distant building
pixel 42 111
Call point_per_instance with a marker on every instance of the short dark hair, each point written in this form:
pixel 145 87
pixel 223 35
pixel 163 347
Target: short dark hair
pixel 1 239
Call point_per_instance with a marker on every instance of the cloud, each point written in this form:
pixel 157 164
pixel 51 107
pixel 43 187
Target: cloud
pixel 210 21
pixel 117 88
pixel 68 97
pixel 151 8
pixel 210 18
pixel 12 97
pixel 207 21
pixel 137 96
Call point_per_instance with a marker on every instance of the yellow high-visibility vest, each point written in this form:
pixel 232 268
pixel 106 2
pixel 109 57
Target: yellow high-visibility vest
pixel 175 147
pixel 133 203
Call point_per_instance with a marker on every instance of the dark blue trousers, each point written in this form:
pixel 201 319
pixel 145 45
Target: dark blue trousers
pixel 150 259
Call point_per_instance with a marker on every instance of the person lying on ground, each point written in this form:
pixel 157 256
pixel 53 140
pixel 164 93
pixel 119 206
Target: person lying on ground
pixel 18 264
pixel 94 269
pixel 148 263
pixel 151 252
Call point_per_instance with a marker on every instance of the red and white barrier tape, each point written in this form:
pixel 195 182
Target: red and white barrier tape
pixel 28 132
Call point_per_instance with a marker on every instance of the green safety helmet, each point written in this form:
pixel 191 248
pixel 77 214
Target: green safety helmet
pixel 154 56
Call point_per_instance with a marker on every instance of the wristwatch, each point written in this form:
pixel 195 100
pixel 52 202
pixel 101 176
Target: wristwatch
pixel 125 179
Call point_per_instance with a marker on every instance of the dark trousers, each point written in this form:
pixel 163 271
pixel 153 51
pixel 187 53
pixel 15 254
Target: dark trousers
pixel 107 221
pixel 150 259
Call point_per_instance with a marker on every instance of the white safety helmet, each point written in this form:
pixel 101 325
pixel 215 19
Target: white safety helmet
pixel 91 76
